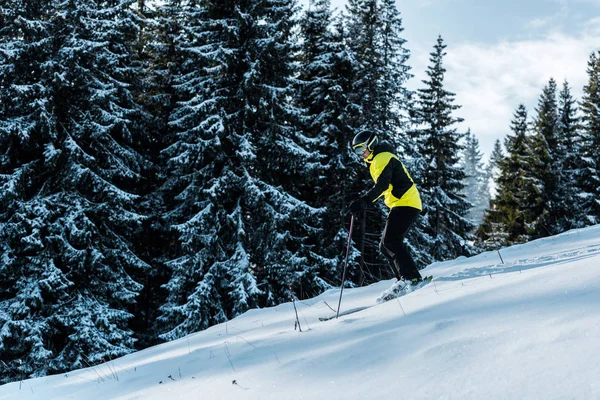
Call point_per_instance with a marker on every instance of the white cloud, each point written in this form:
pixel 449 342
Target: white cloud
pixel 541 22
pixel 592 26
pixel 490 80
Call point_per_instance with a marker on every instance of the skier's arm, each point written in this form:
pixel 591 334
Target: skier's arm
pixel 383 183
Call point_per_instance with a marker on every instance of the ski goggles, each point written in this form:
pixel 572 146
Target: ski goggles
pixel 360 149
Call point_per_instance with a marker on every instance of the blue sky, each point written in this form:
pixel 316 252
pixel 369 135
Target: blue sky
pixel 500 53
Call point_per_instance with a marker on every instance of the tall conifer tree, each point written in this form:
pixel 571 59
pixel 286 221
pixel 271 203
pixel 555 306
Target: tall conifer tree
pixel 244 231
pixel 395 97
pixel 544 170
pixel 364 30
pixel 491 233
pixel 507 217
pixel 476 183
pixel 440 175
pixel 325 80
pixel 569 150
pixel 28 134
pixel 73 224
pixel 493 166
pixel 589 178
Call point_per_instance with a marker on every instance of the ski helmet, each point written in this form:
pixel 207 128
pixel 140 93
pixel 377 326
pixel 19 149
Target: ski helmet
pixel 363 141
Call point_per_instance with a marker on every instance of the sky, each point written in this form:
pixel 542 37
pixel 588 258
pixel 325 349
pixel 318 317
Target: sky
pixel 524 326
pixel 500 53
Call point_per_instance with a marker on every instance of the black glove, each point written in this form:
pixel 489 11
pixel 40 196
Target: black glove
pixel 358 206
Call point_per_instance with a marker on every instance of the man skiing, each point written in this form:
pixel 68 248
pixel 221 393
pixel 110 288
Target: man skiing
pixel 400 194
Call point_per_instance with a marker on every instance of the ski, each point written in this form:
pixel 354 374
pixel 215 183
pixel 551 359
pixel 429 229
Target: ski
pixel 351 311
pixel 402 288
pixel 398 289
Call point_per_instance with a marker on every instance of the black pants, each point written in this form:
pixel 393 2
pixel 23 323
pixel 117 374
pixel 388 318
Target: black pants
pixel 399 221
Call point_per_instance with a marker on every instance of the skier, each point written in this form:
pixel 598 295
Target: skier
pixel 400 194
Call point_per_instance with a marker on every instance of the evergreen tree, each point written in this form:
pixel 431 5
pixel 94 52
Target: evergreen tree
pixel 395 97
pixel 198 185
pixel 569 163
pixel 325 79
pixel 287 254
pixel 507 216
pixel 493 167
pixel 491 233
pixel 441 177
pixel 70 223
pixel 27 131
pixel 544 170
pixel 476 187
pixel 153 92
pixel 364 30
pixel 235 165
pixel 374 31
pixel 588 180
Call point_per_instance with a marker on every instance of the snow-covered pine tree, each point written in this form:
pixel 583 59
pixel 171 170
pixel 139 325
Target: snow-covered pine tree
pixel 237 165
pixel 543 206
pixel 102 134
pixel 70 222
pixel 27 133
pixel 568 154
pixel 199 192
pixel 149 57
pixel 380 61
pixel 290 241
pixel 363 26
pixel 476 182
pixel 324 81
pixel 588 180
pixel 491 233
pixel 440 175
pixel 395 97
pixel 506 215
pixel 493 167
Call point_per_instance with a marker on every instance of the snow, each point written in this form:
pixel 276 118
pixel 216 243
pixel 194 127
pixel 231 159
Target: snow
pixel 528 328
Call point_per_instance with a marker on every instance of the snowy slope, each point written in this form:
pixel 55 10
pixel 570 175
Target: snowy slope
pixel 528 328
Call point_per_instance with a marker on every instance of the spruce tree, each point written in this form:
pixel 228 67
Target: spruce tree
pixel 198 186
pixel 542 206
pixel 440 175
pixel 72 224
pixel 364 29
pixel 507 216
pixel 28 134
pixel 152 92
pixel 493 167
pixel 395 97
pixel 491 233
pixel 246 236
pixel 325 79
pixel 284 256
pixel 568 152
pixel 588 180
pixel 374 31
pixel 476 187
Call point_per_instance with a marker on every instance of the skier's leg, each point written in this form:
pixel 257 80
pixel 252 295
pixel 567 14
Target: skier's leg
pixel 388 254
pixel 398 223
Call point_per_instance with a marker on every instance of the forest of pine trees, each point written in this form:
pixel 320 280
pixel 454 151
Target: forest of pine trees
pixel 166 167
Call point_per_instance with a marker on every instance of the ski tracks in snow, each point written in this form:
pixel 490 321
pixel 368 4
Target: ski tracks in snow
pixel 522 264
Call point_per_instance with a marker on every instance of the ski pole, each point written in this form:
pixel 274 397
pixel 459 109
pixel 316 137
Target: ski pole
pixel 345 265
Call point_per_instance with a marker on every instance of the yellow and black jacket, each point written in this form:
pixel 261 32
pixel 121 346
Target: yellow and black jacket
pixel 392 180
